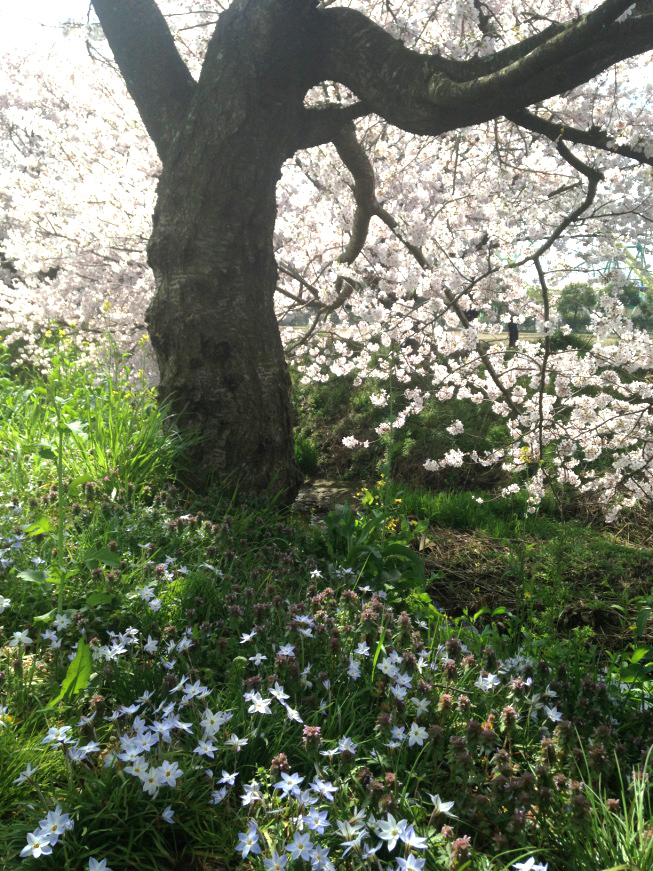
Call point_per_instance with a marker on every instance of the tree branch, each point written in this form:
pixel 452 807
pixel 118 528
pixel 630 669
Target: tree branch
pixel 431 95
pixel 157 78
pixel 594 137
pixel 353 155
pixel 321 125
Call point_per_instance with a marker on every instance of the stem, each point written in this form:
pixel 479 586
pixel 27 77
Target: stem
pixel 61 503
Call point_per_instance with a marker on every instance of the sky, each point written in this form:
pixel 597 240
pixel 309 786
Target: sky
pixel 36 19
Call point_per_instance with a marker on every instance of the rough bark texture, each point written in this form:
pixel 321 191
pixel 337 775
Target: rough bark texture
pixel 223 141
pixel 212 321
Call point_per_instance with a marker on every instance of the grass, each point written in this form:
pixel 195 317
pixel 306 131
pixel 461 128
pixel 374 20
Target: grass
pixel 199 684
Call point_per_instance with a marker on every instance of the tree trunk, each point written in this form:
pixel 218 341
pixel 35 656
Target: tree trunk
pixel 212 321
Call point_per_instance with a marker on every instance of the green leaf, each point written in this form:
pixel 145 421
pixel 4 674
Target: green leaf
pixel 92 557
pixel 95 599
pixel 77 676
pixel 642 619
pixel 45 618
pixel 80 481
pixel 640 653
pixel 500 610
pixel 76 427
pixel 34 576
pixel 46 452
pixel 40 527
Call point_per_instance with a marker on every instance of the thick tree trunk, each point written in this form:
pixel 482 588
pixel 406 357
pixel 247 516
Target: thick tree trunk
pixel 212 321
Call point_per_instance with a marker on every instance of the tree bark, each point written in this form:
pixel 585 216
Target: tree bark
pixel 212 321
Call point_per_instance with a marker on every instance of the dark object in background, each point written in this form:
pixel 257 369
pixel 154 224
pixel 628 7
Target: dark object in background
pixel 513 334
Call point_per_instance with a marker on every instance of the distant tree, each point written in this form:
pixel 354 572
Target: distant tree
pixel 575 304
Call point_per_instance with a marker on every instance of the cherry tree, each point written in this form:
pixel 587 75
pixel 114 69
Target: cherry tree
pixel 409 164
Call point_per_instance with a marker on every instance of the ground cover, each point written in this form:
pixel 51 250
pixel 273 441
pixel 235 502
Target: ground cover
pixel 201 683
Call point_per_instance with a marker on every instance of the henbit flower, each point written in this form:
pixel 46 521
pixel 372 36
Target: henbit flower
pixel 38 844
